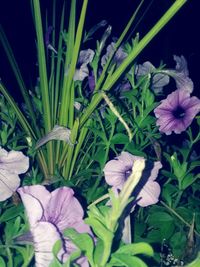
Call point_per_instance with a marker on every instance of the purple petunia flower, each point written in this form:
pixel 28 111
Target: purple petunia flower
pixel 49 214
pixel 118 170
pixel 159 80
pixel 181 74
pixel 118 58
pixel 176 112
pixel 82 71
pixel 12 164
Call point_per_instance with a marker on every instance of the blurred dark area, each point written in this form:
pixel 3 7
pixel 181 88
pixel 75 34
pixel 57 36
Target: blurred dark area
pixel 180 36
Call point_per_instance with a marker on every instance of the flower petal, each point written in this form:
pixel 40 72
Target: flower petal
pixel 114 172
pixel 64 210
pixel 44 235
pixel 85 56
pixel 9 182
pixel 37 191
pixel 33 207
pixel 13 161
pixel 149 194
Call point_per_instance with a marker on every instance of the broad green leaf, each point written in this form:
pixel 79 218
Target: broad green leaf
pixel 2 262
pixel 11 213
pixel 164 222
pixel 119 138
pixel 138 248
pixel 120 259
pixel 99 229
pixel 82 241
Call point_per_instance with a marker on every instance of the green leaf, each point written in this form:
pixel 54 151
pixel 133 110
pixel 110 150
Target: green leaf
pixel 57 247
pixel 98 251
pixel 162 221
pixel 187 180
pixel 119 138
pixel 99 229
pixel 138 248
pixel 82 241
pixel 120 259
pixel 2 262
pixel 11 213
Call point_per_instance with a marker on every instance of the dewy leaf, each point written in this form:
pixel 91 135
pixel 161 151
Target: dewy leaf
pixel 58 133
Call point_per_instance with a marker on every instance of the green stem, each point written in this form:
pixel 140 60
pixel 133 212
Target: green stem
pixel 43 81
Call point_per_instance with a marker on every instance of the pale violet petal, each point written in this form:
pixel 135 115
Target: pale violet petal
pixel 45 236
pixel 58 133
pixel 82 73
pixel 144 69
pixel 37 191
pixel 63 209
pixel 149 194
pixel 9 182
pixel 86 56
pixel 13 161
pixel 33 207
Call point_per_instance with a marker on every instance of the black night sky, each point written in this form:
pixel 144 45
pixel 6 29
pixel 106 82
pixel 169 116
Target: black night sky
pixel 179 37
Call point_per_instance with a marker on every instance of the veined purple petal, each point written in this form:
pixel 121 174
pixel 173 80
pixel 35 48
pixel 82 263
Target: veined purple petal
pixel 33 206
pixel 63 209
pixel 176 112
pixel 39 192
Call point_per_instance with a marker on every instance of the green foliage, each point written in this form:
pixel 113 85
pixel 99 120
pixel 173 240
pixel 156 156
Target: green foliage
pixel 99 130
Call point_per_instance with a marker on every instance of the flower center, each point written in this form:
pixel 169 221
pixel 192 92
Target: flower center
pixel 128 173
pixel 179 112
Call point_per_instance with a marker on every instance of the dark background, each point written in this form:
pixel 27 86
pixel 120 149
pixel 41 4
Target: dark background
pixel 180 36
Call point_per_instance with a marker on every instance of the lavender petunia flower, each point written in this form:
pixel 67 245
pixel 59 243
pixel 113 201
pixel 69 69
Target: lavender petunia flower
pixel 118 58
pixel 176 112
pixel 49 214
pixel 159 80
pixel 82 71
pixel 118 170
pixel 181 74
pixel 12 164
